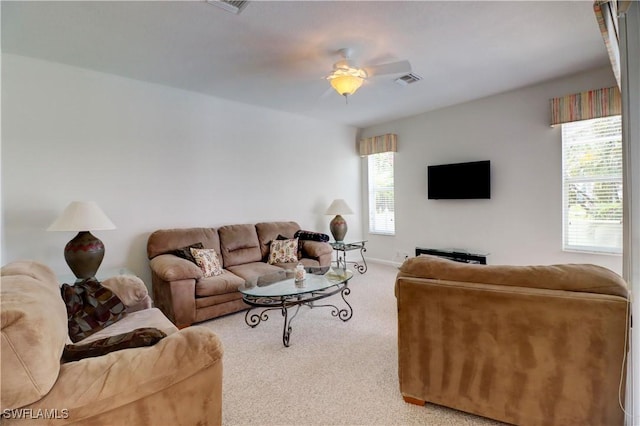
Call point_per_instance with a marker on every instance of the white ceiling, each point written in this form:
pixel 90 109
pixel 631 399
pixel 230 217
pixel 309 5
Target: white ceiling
pixel 275 54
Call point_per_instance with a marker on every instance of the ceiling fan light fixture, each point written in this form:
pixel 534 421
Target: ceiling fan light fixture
pixel 346 81
pixel 346 85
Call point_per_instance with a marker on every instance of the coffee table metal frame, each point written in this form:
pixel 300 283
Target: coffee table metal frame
pixel 296 297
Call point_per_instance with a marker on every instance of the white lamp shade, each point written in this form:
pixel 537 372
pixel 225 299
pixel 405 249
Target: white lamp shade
pixel 82 216
pixel 339 206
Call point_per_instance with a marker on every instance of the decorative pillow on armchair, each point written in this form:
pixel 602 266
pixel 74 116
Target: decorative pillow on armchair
pixel 90 308
pixel 133 339
pixel 208 261
pixel 283 251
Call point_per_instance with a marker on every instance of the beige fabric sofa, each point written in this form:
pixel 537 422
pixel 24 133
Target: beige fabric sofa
pixel 177 381
pixel 186 297
pixel 527 345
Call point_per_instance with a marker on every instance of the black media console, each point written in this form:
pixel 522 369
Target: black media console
pixel 458 256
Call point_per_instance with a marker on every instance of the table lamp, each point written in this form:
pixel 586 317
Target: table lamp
pixel 85 252
pixel 338 225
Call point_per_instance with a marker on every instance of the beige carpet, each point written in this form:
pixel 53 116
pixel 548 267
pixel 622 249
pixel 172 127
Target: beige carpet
pixel 333 373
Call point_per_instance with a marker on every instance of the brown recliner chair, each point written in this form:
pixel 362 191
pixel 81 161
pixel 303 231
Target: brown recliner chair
pixel 527 345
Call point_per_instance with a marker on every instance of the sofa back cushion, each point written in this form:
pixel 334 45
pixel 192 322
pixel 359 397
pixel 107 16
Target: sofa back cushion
pixel 569 277
pixel 166 240
pixel 239 244
pixel 34 332
pixel 269 231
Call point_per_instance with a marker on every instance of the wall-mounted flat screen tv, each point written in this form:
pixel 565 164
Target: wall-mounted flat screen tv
pixel 459 181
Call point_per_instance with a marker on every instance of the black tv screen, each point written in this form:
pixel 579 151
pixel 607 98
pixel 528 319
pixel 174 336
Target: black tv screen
pixel 459 181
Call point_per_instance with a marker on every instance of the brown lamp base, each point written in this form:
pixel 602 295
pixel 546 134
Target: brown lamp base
pixel 84 254
pixel 338 228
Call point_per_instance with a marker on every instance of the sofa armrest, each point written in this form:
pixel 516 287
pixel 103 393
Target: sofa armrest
pixel 315 249
pixel 140 385
pixel 131 290
pixel 169 267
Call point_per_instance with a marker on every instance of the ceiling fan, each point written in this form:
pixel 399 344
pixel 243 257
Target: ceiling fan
pixel 347 77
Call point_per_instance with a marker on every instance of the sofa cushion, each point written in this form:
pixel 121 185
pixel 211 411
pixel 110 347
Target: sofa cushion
pixel 570 277
pixel 251 271
pixel 283 251
pixel 269 231
pixel 32 316
pixel 90 308
pixel 166 240
pixel 207 260
pixel 239 244
pixel 137 338
pixel 224 283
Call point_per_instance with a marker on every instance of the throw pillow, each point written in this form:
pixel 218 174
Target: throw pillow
pixel 208 261
pixel 283 251
pixel 133 339
pixel 90 308
pixel 313 236
pixel 185 252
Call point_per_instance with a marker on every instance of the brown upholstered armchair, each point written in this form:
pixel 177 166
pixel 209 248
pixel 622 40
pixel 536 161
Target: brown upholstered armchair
pixel 527 345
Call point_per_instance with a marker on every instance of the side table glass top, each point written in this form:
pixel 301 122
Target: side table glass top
pixel 344 245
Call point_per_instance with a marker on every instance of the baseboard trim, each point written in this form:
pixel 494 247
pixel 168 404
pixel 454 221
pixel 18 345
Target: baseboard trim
pixel 384 262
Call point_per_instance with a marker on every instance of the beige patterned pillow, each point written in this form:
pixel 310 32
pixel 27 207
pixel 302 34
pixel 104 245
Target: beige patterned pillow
pixel 283 251
pixel 207 260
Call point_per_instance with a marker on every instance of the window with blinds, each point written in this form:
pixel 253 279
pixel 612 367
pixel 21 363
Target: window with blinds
pixel 592 185
pixel 381 194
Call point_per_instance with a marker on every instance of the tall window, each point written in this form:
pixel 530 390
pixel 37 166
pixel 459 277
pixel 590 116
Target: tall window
pixel 381 197
pixel 592 185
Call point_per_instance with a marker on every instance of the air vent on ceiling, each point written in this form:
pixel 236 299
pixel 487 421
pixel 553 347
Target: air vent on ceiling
pixel 408 79
pixel 229 5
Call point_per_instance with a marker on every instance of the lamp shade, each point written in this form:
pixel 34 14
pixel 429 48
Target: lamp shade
pixel 82 216
pixel 339 206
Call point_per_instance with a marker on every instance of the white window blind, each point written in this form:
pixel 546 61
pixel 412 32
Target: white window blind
pixel 381 194
pixel 592 185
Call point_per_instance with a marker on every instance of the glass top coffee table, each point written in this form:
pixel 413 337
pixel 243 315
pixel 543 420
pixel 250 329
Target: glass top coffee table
pixel 280 292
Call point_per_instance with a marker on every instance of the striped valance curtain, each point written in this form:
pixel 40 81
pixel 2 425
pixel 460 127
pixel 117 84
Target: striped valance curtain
pixel 586 105
pixel 378 144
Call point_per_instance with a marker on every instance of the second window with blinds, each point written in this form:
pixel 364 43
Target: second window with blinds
pixel 592 185
pixel 381 194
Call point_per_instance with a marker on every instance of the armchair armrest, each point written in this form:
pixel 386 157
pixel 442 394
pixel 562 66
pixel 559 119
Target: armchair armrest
pixel 316 249
pixel 131 290
pixel 136 386
pixel 169 267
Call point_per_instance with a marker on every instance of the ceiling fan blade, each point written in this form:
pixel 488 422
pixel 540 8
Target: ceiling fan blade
pixel 399 67
pixel 327 93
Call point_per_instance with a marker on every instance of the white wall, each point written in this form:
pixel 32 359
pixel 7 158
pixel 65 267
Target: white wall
pixel 156 157
pixel 522 222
